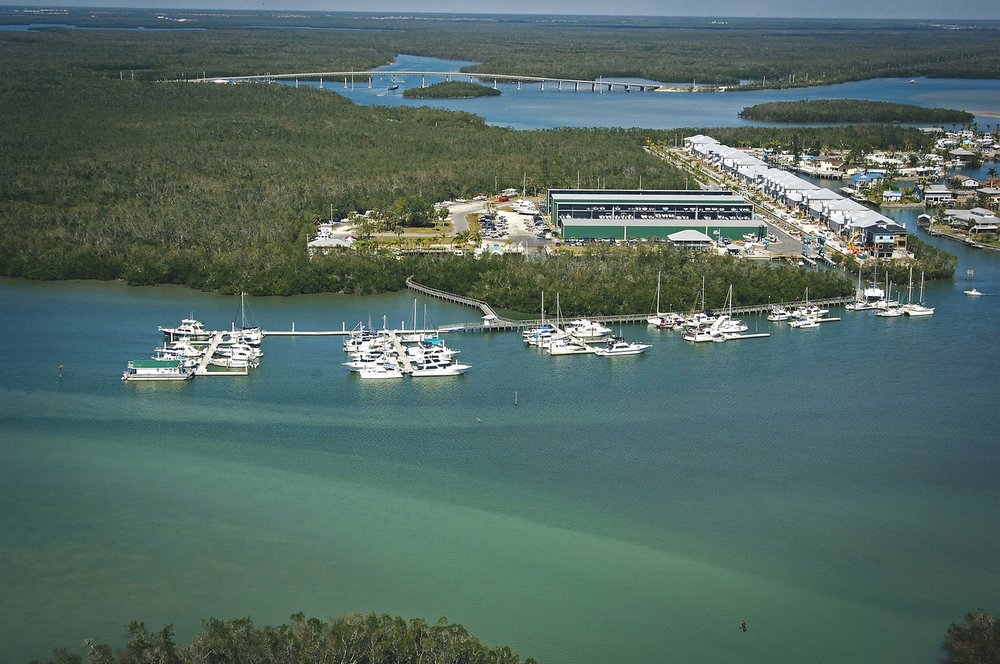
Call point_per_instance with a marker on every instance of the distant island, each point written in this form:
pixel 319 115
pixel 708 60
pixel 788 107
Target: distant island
pixel 451 90
pixel 851 110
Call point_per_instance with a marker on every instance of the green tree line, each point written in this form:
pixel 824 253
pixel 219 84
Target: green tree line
pixel 851 110
pixel 768 52
pixel 356 638
pixel 451 90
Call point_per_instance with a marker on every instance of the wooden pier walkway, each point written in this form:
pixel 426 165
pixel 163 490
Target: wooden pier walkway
pixel 206 359
pixel 397 346
pixel 496 324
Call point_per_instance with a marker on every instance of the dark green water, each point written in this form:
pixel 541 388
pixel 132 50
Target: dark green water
pixel 835 488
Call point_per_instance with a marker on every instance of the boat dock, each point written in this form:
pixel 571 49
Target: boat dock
pixel 206 359
pixel 397 346
pixel 493 323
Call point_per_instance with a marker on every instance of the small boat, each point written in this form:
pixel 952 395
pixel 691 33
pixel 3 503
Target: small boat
pixel 380 370
pixel 439 368
pixel 587 330
pixel 142 370
pixel 703 334
pixel 804 323
pixel 778 314
pixel 973 292
pixel 618 346
pixel 568 347
pixel 189 330
pixel 890 312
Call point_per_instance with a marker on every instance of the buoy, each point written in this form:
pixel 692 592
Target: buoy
pixel 743 625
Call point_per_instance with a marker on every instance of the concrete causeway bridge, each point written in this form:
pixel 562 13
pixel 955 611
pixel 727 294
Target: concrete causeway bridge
pixel 348 80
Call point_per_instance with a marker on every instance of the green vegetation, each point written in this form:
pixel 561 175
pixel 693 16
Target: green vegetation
pixel 851 110
pixel 356 638
pixel 218 186
pixel 974 641
pixel 451 90
pixel 615 280
pixel 933 262
pixel 769 52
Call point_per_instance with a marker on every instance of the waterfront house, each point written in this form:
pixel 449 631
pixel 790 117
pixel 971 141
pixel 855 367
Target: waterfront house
pixel 867 180
pixel 935 194
pixel 892 196
pixel 989 196
pixel 883 238
pixel 969 183
pixel 961 154
pixel 979 218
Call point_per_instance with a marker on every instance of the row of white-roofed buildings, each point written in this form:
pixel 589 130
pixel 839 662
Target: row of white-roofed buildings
pixel 863 228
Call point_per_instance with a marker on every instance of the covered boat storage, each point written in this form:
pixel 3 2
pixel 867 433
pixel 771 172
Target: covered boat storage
pixel 650 214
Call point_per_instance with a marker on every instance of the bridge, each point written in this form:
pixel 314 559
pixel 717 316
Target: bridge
pixel 368 76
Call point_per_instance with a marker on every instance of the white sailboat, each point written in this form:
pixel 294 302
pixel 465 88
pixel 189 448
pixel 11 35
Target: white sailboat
pixel 891 308
pixel 660 319
pixel 920 308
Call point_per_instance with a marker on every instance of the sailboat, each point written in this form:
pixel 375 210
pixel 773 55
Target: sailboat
pixel 248 334
pixel 860 302
pixel 919 309
pixel 414 336
pixel 659 319
pixel 891 308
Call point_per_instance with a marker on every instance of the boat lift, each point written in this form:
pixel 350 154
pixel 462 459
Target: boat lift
pixel 807 245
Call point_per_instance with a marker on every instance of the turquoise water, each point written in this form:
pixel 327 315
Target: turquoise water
pixel 834 488
pixel 532 108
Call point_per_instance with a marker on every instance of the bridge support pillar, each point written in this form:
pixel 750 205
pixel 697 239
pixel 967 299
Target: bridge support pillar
pixel 369 82
pixel 494 84
pixel 519 86
pixel 576 87
pixel 542 86
pixel 296 82
pixel 560 86
pixel 345 82
pixel 423 81
pixel 320 82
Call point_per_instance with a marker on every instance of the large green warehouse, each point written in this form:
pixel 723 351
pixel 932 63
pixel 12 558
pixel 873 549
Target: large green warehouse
pixel 633 214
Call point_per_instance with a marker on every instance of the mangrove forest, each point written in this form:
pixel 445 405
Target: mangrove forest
pixel 451 90
pixel 852 110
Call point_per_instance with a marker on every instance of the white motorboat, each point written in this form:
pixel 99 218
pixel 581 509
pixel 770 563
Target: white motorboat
pixel 618 346
pixel 778 314
pixel 156 370
pixel 439 368
pixel 703 334
pixel 568 347
pixel 380 370
pixel 234 362
pixel 178 350
pixel 587 330
pixel 524 207
pixel 973 292
pixel 803 323
pixel 189 330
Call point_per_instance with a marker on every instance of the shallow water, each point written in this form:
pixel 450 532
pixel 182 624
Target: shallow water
pixel 826 486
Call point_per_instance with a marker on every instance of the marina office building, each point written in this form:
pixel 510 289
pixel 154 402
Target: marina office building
pixel 633 214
